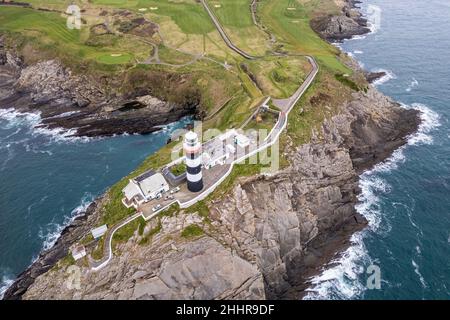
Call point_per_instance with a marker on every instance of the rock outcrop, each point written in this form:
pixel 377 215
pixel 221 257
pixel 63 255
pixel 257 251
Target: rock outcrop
pixel 266 237
pixel 339 27
pixel 73 101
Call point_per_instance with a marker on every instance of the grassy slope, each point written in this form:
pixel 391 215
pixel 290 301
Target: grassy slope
pixel 185 24
pixel 236 18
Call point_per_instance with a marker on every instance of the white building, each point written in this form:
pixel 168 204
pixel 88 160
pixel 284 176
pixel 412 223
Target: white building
pixel 242 140
pixel 193 154
pixel 99 232
pixel 78 252
pixel 144 188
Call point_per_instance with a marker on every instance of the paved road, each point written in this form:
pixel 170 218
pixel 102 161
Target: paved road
pixel 224 35
pixel 286 105
pixel 107 246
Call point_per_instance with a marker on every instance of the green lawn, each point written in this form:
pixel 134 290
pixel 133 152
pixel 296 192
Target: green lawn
pixel 115 58
pixel 48 32
pixel 235 16
pixel 188 14
pixel 289 20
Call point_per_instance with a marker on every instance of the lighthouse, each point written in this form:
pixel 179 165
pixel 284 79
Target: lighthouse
pixel 193 153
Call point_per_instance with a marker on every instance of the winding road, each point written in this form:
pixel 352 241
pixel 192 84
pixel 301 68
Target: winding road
pixel 285 105
pixel 224 35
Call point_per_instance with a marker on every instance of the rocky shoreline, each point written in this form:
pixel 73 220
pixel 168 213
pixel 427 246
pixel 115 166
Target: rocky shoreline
pixel 79 103
pixel 336 28
pixel 263 240
pixel 266 237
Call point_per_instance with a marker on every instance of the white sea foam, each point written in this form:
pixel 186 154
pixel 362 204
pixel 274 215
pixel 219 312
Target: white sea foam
pixel 341 280
pixel 430 120
pixel 414 83
pixel 389 76
pixel 358 52
pixel 34 122
pixel 5 283
pixel 417 271
pixel 52 231
pixel 373 16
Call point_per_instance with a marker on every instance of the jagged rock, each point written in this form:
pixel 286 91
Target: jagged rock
pixel 79 102
pixel 339 27
pixel 266 237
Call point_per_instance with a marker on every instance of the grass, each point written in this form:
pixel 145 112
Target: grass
pixel 279 77
pixel 293 30
pixel 235 16
pixel 346 81
pixel 184 24
pixel 188 15
pixel 145 240
pixel 48 32
pixel 263 121
pixel 192 231
pixel 178 169
pixel 115 58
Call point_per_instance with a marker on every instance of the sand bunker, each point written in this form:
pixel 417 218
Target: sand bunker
pixel 116 54
pixel 142 9
pixel 291 8
pixel 217 6
pixel 153 8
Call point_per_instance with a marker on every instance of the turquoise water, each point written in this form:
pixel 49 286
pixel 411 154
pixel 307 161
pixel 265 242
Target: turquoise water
pixel 407 198
pixel 48 178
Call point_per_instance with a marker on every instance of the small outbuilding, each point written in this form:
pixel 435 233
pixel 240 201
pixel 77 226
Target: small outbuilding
pixel 145 187
pixel 78 252
pixel 99 232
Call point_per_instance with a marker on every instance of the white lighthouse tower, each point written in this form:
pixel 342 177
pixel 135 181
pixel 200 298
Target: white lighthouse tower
pixel 193 153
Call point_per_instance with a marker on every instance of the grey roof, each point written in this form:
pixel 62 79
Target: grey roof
pixel 131 190
pixel 144 176
pixel 153 183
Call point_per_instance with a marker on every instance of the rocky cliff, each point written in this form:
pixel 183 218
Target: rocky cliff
pixel 81 102
pixel 266 237
pixel 342 26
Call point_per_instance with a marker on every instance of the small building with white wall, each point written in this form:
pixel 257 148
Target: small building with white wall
pixel 99 232
pixel 78 252
pixel 143 188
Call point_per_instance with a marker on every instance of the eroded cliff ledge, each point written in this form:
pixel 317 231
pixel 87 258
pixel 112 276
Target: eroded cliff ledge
pixel 91 106
pixel 267 236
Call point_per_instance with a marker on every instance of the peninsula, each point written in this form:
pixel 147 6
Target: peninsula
pixel 251 231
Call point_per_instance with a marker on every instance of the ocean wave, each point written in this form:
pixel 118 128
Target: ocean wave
pixel 34 122
pixel 341 280
pixel 53 231
pixel 373 16
pixel 414 83
pixel 358 52
pixel 417 271
pixel 389 76
pixel 430 120
pixel 5 282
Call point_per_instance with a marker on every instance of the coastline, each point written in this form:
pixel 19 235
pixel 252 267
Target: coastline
pixel 47 259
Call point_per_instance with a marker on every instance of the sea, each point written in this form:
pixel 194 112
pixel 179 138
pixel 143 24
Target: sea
pixel 404 253
pixel 49 177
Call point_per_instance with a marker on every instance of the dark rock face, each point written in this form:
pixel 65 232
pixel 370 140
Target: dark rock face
pixel 47 259
pixel 77 102
pixel 335 28
pixel 293 223
pixel 371 77
pixel 283 228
